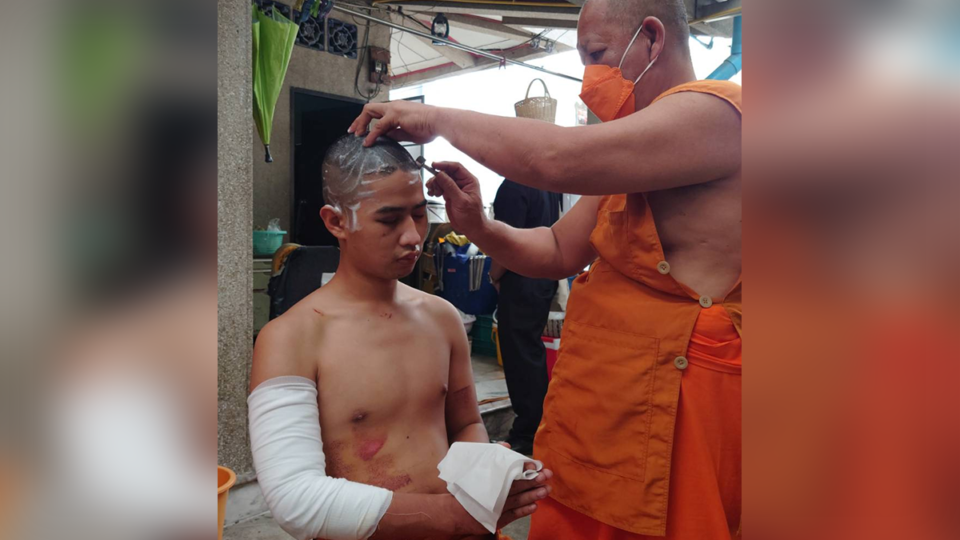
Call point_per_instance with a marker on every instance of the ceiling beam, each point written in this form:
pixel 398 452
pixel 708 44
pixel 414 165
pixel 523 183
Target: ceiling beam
pixel 540 22
pixel 723 28
pixel 487 26
pixel 497 29
pixel 524 54
pixel 458 57
pixel 568 13
pixel 708 11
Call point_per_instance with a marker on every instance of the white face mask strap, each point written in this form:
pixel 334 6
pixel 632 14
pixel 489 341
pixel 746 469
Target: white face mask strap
pixel 635 36
pixel 646 70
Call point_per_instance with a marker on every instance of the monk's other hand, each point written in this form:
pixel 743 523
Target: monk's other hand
pixel 399 120
pixel 461 191
pixel 523 498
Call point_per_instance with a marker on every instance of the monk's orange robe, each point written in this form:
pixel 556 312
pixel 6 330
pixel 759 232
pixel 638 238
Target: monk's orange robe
pixel 641 422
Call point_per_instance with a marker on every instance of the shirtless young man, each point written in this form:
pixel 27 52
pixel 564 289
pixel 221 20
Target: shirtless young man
pixel 391 366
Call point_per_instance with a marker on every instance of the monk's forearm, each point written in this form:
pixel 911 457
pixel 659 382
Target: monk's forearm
pixel 533 253
pixel 412 515
pixel 530 152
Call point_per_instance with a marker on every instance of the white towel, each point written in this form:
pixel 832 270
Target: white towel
pixel 480 475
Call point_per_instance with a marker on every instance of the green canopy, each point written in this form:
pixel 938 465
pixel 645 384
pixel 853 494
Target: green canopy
pixel 273 39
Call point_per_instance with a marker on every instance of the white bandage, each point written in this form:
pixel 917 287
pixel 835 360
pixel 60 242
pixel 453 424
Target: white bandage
pixel 291 468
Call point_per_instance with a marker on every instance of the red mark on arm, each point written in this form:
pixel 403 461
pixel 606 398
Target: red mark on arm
pixel 318 312
pixel 368 449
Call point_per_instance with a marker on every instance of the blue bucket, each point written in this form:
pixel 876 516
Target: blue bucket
pixel 267 242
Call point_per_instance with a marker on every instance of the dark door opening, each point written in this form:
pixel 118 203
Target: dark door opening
pixel 318 121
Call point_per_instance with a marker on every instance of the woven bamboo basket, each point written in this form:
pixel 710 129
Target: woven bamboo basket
pixel 538 108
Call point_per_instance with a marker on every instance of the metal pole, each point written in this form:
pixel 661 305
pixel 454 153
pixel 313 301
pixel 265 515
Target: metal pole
pixel 734 63
pixel 453 44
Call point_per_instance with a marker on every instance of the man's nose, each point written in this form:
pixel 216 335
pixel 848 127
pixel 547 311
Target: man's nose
pixel 410 236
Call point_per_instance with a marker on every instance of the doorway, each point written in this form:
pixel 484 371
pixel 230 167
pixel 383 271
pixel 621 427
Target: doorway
pixel 318 121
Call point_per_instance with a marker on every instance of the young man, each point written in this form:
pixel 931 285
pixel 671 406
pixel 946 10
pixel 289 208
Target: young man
pixel 387 365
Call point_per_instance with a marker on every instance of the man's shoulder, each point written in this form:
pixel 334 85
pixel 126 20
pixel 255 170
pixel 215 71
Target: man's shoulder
pixel 279 347
pixel 432 305
pixel 509 187
pixel 509 190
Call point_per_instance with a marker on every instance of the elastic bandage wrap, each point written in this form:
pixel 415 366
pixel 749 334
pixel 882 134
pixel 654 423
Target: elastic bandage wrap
pixel 291 467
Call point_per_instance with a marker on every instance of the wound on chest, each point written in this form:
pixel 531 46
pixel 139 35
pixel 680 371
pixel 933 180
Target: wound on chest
pixel 369 448
pixel 366 446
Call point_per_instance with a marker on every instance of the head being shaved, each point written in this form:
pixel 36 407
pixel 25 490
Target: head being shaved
pixel 349 166
pixel 630 13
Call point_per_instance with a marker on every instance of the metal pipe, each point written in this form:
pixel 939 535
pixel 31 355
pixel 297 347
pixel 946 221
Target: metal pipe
pixel 732 65
pixel 454 44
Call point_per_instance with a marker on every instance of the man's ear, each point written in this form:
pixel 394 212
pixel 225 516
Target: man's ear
pixel 656 32
pixel 335 222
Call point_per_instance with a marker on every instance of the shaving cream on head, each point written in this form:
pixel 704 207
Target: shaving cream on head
pixel 348 165
pixel 353 221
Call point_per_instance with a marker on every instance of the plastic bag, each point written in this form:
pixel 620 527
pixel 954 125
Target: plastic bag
pixel 274 225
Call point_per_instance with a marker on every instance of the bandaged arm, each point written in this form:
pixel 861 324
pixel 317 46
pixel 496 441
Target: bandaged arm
pixel 291 468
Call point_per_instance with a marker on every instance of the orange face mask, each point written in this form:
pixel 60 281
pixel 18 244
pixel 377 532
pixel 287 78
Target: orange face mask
pixel 607 93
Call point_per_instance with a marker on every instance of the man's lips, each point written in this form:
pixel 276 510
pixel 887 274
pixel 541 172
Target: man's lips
pixel 410 257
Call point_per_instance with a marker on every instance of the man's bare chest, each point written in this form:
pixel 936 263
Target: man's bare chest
pixel 386 369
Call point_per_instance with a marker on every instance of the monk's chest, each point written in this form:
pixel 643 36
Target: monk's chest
pixel 705 216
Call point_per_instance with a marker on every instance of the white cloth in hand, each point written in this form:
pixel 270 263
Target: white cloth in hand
pixel 480 475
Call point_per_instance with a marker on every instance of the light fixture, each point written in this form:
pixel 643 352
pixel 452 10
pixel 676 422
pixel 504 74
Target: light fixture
pixel 440 28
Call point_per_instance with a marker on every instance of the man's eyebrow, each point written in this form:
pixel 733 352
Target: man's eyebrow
pixel 397 209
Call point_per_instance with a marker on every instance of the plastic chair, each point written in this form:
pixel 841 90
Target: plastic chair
pixel 297 272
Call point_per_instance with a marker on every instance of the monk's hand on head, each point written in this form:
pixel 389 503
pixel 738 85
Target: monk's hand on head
pixel 399 120
pixel 524 495
pixel 461 191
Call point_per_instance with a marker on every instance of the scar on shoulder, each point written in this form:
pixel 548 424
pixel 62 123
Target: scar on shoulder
pixel 318 312
pixel 386 315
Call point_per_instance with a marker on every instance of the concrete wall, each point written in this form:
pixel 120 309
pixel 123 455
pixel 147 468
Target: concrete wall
pixel 312 70
pixel 234 244
pixel 250 192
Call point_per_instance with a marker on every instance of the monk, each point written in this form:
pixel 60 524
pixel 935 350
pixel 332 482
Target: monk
pixel 641 422
pixel 386 366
